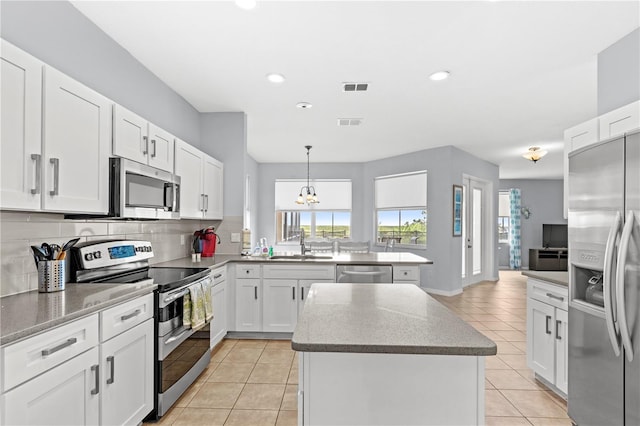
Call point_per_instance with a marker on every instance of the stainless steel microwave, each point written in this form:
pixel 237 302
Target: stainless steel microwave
pixel 138 191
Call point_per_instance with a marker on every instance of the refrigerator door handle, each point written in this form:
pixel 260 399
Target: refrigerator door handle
pixel 622 264
pixel 609 311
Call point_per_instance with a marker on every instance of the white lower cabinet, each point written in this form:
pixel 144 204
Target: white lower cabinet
pixel 280 310
pixel 406 275
pixel 65 395
pixel 249 304
pixel 547 326
pixel 68 376
pixel 219 299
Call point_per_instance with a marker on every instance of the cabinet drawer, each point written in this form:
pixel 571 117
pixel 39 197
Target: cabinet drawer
pixel 219 275
pixel 554 295
pixel 247 271
pixel 120 318
pixel 307 272
pixel 406 273
pixel 35 355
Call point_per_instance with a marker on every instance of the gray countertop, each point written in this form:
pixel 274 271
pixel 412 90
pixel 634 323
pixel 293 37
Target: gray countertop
pixel 373 258
pixel 25 314
pixel 555 277
pixel 383 318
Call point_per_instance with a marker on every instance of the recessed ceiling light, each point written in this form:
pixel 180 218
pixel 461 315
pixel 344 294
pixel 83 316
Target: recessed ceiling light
pixel 276 78
pixel 440 75
pixel 246 4
pixel 304 105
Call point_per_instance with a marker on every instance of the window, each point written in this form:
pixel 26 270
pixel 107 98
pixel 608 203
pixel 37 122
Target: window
pixel 504 213
pixel 318 225
pixel 330 219
pixel 401 209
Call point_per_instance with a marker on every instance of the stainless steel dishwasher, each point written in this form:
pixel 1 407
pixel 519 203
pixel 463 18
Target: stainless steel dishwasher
pixel 370 274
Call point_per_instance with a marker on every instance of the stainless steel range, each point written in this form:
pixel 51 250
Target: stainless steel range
pixel 181 353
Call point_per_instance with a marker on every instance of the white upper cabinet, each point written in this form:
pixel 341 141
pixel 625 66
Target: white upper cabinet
pixel 20 132
pixel 76 139
pixel 138 140
pixel 201 183
pixel 620 121
pixel 576 137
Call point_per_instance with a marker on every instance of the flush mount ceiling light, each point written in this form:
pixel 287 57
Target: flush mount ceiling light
pixel 276 78
pixel 304 105
pixel 534 154
pixel 246 4
pixel 440 75
pixel 310 196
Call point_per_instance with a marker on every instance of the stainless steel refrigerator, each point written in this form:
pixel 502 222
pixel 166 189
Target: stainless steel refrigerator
pixel 604 289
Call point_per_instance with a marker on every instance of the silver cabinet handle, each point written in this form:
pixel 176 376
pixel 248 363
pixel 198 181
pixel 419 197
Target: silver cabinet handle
pixel 547 324
pixel 56 175
pixel 255 292
pixel 131 315
pixel 202 201
pixel 96 369
pixel 553 296
pixel 67 343
pixel 206 208
pixel 112 361
pixel 38 160
pixel 216 276
pixel 153 145
pixel 146 145
pixel 558 323
pixel 294 292
pixel 301 293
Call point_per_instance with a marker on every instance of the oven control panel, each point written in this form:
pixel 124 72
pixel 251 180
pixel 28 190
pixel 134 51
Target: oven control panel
pixel 97 254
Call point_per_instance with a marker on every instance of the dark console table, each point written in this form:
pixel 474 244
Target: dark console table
pixel 549 259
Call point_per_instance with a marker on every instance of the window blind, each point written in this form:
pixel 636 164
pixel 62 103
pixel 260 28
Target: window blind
pixel 401 191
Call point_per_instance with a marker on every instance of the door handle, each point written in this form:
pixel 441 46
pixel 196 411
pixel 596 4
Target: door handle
pixel 112 361
pixel 609 311
pixel 301 293
pixel 255 292
pixel 38 159
pixel 56 175
pixel 553 296
pixel 547 324
pixel 620 281
pixel 153 145
pixel 131 315
pixel 206 198
pixel 145 150
pixel 67 343
pixel 96 369
pixel 294 292
pixel 558 323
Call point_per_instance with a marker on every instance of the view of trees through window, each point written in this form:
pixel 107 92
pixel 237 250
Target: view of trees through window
pixel 402 226
pixel 316 225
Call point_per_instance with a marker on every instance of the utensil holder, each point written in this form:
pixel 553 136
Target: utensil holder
pixel 51 275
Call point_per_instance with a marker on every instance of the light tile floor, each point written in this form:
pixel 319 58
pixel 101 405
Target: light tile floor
pixel 254 382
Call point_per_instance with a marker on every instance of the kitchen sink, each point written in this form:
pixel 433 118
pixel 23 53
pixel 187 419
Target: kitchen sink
pixel 299 257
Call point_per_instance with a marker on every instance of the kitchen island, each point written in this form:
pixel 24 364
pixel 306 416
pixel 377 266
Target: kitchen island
pixel 387 354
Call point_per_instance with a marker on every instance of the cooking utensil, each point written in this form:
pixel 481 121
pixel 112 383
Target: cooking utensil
pixel 47 251
pixel 38 254
pixel 63 251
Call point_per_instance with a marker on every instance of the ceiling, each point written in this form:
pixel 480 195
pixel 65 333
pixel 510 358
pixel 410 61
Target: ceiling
pixel 521 71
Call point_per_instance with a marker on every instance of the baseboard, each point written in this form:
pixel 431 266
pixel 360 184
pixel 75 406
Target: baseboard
pixel 442 292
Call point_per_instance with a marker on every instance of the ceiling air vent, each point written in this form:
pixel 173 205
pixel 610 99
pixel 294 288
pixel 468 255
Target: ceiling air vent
pixel 355 87
pixel 349 122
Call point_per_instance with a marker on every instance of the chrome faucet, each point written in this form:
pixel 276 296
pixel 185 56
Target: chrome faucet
pixel 303 250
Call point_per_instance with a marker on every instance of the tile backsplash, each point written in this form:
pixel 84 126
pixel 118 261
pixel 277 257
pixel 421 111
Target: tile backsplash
pixel 19 230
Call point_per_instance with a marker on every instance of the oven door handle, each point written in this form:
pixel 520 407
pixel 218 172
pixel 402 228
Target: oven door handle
pixel 176 337
pixel 173 296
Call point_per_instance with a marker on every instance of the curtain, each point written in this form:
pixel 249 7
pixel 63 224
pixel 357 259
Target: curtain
pixel 515 251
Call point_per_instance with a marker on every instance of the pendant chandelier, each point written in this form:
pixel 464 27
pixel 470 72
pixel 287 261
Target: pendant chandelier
pixel 310 196
pixel 534 154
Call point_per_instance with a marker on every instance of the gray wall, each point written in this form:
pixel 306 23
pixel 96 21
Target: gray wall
pixel 445 166
pixel 619 73
pixel 59 35
pixel 544 198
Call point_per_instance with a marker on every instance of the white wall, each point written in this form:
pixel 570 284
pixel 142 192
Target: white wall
pixel 544 198
pixel 618 73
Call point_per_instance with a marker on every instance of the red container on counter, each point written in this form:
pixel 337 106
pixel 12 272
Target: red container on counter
pixel 209 241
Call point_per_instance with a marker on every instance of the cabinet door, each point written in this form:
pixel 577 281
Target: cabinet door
pixel 561 334
pixel 219 322
pixel 65 395
pixel 213 188
pixel 280 305
pixel 20 132
pixel 577 137
pixel 248 304
pixel 127 376
pixel 620 121
pixel 541 339
pixel 303 290
pixel 161 149
pixel 130 135
pixel 77 135
pixel 189 168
